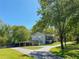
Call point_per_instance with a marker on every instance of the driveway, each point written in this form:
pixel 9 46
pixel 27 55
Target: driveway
pixel 39 52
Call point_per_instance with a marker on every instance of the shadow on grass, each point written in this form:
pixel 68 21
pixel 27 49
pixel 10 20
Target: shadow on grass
pixel 28 57
pixel 68 53
pixel 25 55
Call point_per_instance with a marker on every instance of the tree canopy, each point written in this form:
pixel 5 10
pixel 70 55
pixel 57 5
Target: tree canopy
pixel 13 34
pixel 62 14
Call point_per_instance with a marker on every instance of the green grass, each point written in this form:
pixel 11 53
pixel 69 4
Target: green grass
pixel 12 54
pixel 70 52
pixel 33 47
pixel 55 43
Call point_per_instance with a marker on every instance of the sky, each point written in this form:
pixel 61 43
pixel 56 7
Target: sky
pixel 19 12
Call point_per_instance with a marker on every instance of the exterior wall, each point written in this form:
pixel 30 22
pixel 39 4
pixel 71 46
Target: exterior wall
pixel 40 37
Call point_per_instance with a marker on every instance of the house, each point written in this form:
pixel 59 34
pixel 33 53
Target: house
pixel 40 38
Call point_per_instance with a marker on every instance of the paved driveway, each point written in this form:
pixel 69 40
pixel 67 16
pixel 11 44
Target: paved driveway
pixel 39 53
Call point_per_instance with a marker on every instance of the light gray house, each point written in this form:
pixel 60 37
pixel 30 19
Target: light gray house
pixel 42 38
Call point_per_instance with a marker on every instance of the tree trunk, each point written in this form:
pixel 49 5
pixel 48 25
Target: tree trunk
pixel 65 41
pixel 61 40
pixel 77 39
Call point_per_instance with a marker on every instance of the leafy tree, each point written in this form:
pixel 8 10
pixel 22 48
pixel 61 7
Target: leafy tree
pixel 19 34
pixel 60 14
pixel 13 34
pixel 3 33
pixel 39 27
pixel 49 30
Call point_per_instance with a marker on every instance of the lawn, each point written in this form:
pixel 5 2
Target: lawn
pixel 70 52
pixel 12 54
pixel 53 44
pixel 33 47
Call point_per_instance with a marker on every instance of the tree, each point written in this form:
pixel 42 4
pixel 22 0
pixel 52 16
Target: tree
pixel 3 33
pixel 13 34
pixel 50 30
pixel 39 26
pixel 59 13
pixel 19 34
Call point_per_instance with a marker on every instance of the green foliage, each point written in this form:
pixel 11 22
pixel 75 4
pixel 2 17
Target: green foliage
pixel 50 30
pixel 19 34
pixel 38 27
pixel 13 34
pixel 3 33
pixel 62 14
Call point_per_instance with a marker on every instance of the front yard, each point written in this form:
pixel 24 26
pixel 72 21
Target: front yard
pixel 53 44
pixel 8 53
pixel 33 47
pixel 12 54
pixel 70 52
